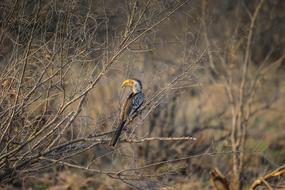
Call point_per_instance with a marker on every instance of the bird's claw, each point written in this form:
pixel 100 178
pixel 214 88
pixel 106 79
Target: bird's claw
pixel 127 130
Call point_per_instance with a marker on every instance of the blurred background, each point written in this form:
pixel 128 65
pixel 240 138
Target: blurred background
pixel 213 70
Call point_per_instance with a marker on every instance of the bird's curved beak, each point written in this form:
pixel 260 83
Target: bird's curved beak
pixel 128 82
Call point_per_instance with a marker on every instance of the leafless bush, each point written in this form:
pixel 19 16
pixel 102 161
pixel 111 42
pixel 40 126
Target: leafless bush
pixel 233 67
pixel 53 57
pixel 61 65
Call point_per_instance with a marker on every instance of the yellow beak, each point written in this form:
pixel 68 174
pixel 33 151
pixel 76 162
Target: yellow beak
pixel 128 82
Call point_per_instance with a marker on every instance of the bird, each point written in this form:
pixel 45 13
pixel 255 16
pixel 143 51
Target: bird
pixel 130 106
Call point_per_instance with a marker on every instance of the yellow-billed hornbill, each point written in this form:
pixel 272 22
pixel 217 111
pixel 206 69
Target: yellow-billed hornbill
pixel 130 107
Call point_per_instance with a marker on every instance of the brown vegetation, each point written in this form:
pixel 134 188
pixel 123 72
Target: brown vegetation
pixel 213 76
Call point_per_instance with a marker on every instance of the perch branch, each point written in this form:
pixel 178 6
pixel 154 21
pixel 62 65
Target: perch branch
pixel 160 139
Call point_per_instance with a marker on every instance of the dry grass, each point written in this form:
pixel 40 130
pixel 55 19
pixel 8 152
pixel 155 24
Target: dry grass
pixel 53 133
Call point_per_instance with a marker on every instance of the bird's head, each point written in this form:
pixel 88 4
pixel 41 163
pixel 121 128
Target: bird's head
pixel 135 84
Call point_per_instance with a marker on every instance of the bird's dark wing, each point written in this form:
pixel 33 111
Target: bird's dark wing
pixel 131 105
pixel 137 101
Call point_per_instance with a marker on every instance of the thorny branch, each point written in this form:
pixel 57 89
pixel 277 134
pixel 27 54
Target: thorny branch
pixel 26 144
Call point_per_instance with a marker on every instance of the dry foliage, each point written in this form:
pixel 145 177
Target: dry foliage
pixel 214 91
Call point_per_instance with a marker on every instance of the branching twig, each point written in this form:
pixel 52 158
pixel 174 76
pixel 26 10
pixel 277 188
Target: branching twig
pixel 276 173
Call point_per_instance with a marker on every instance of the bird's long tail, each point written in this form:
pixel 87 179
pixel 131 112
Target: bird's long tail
pixel 117 134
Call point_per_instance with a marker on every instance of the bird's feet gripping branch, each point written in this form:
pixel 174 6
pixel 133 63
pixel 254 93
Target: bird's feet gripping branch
pixel 130 107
